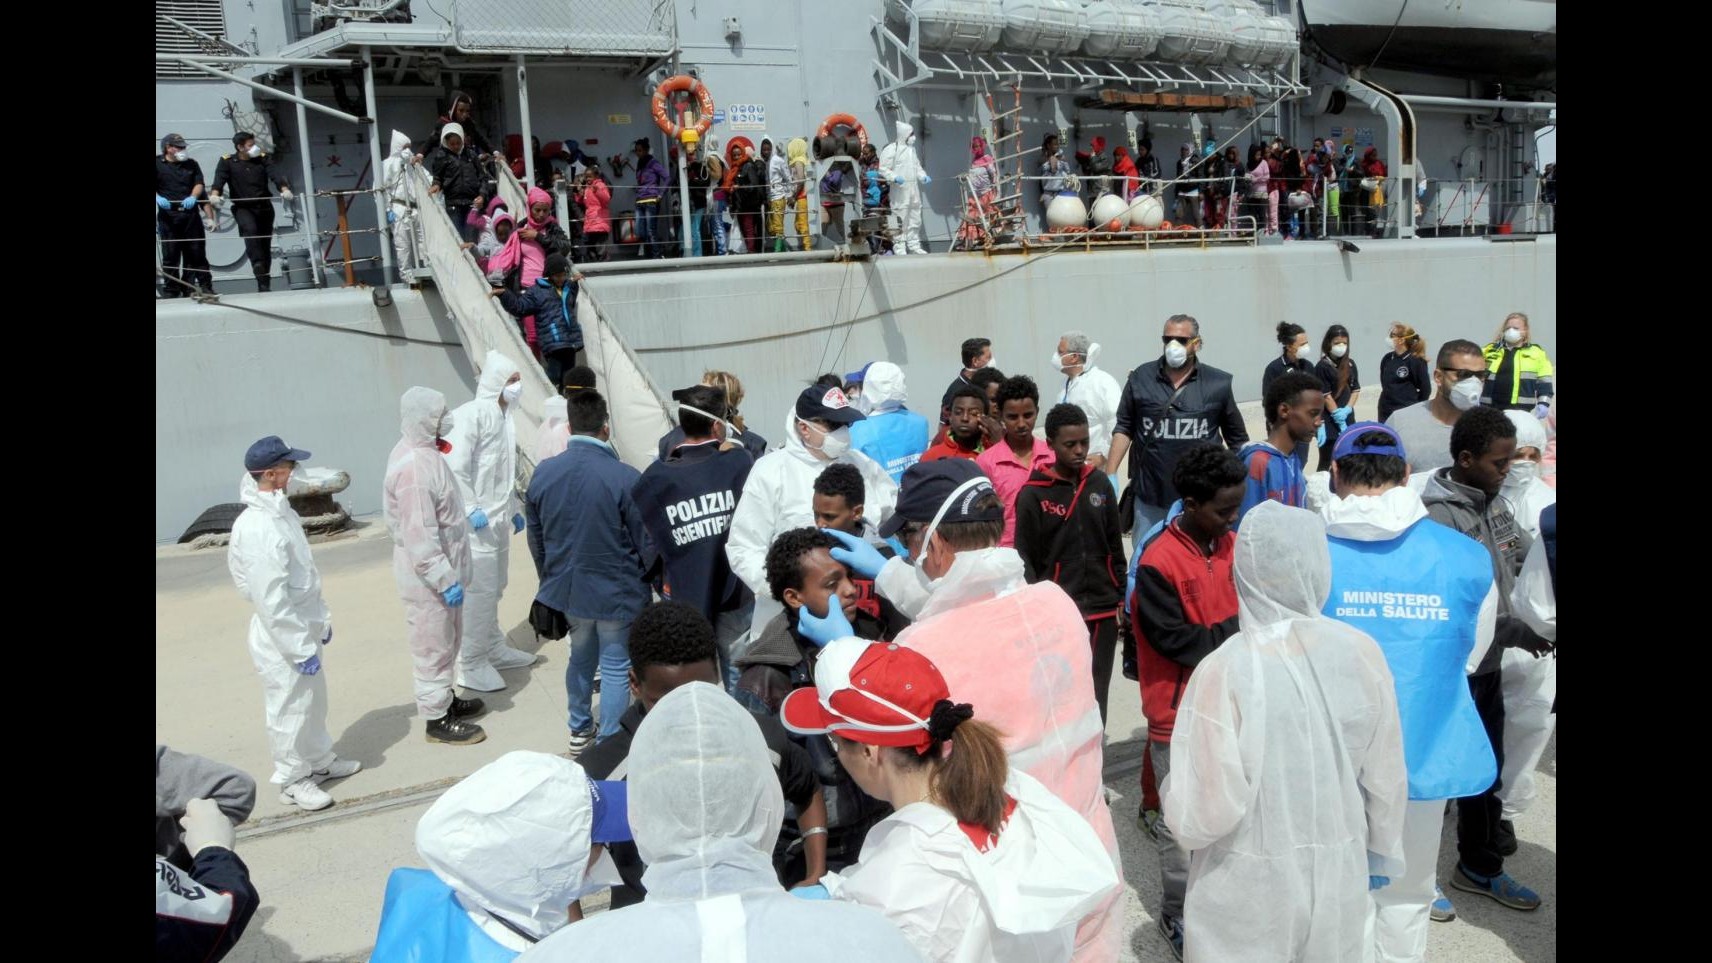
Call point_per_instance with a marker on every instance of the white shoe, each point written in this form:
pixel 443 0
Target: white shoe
pixel 306 794
pixel 337 769
pixel 506 657
pixel 482 677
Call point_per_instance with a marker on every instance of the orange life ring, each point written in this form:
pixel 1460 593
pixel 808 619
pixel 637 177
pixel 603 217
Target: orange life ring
pixel 833 120
pixel 704 105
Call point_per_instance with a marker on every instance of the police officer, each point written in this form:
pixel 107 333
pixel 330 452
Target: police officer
pixel 247 173
pixel 178 187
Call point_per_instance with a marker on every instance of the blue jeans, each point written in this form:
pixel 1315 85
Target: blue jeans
pixel 648 231
pixel 696 217
pixel 609 644
pixel 719 228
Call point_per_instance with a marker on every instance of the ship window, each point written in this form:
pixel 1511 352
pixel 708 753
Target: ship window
pixel 208 16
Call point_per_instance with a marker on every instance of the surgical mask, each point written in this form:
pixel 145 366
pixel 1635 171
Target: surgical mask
pixel 860 403
pixel 1465 394
pixel 1512 335
pixel 1303 353
pixel 1060 361
pixel 254 151
pixel 992 362
pixel 1339 350
pixel 1176 356
pixel 445 425
pixel 833 443
pixel 1521 473
pixel 511 392
pixel 174 155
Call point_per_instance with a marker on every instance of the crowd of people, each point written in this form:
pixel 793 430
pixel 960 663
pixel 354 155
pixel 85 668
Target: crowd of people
pixel 855 684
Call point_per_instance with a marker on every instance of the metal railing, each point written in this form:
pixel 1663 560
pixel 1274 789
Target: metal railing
pixel 645 29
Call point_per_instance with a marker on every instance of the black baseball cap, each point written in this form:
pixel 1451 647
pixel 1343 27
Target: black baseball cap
pixel 826 404
pixel 926 486
pixel 269 452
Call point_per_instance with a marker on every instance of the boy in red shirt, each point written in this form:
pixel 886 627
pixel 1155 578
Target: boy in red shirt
pixel 1184 606
pixel 965 437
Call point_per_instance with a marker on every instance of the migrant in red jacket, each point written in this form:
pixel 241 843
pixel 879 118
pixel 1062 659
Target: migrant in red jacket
pixel 1183 607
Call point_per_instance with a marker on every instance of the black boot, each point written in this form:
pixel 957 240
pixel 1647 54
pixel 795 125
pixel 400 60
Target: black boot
pixel 264 284
pixel 454 731
pixel 465 708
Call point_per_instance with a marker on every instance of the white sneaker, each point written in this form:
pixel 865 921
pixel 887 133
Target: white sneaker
pixel 482 677
pixel 337 769
pixel 506 657
pixel 306 794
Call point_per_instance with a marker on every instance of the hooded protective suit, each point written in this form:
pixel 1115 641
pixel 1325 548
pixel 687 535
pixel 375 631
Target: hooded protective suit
pixel 555 431
pixel 1018 901
pixel 430 544
pixel 511 842
pixel 1098 394
pixel 270 563
pixel 1529 682
pixel 401 214
pixel 1019 653
pixel 1287 779
pixel 892 435
pixel 705 808
pixel 779 496
pixel 900 165
pixel 483 460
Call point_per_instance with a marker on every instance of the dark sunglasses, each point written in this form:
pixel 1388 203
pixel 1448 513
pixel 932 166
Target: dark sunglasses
pixel 1459 375
pixel 1185 342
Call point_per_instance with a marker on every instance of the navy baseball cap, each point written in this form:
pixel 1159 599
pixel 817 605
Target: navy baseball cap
pixel 611 804
pixel 927 484
pixel 1346 441
pixel 827 404
pixel 269 452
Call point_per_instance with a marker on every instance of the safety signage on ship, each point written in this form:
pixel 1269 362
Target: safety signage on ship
pixel 747 116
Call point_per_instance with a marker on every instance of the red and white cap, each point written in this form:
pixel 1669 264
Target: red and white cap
pixel 877 693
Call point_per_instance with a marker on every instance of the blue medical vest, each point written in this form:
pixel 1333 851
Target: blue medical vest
pixel 1419 597
pixel 421 922
pixel 894 439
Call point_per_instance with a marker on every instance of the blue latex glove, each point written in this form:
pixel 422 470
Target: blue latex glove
pixel 926 179
pixel 478 519
pixel 1541 410
pixel 1378 882
pixel 823 630
pixel 897 178
pixel 1341 416
pixel 310 666
pixel 453 596
pixel 188 203
pixel 864 559
pixel 516 524
pixel 816 891
pixel 1320 435
pixel 163 203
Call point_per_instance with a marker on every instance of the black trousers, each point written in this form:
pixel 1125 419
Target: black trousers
pixel 183 243
pixel 1477 816
pixel 561 361
pixel 255 226
pixel 1103 636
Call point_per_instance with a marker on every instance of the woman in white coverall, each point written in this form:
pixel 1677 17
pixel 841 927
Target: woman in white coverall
pixel 270 563
pixel 1287 778
pixel 430 560
pixel 900 165
pixel 978 862
pixel 483 460
pixel 555 431
pixel 1529 681
pixel 705 809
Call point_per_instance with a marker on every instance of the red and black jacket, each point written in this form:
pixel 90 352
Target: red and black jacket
pixel 1183 608
pixel 1069 533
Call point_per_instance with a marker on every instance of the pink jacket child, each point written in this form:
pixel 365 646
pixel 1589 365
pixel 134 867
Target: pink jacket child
pixel 597 203
pixel 527 253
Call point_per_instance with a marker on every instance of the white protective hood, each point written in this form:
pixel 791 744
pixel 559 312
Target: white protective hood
pixel 883 387
pixel 400 143
pixel 1373 518
pixel 974 576
pixel 451 129
pixel 513 840
pixel 705 804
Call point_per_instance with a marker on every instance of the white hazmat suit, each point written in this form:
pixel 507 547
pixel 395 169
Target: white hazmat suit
pixel 1529 681
pixel 483 460
pixel 396 171
pixel 705 808
pixel 270 562
pixel 902 168
pixel 430 544
pixel 1097 393
pixel 1287 777
pixel 555 431
pixel 779 496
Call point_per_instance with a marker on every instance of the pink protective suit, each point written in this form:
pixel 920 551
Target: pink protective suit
pixel 527 255
pixel 1548 458
pixel 430 545
pixel 1019 654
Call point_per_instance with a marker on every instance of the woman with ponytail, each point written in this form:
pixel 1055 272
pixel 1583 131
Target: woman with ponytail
pixel 978 861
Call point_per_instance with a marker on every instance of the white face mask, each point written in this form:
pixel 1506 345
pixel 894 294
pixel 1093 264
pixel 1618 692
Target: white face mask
pixel 833 443
pixel 445 425
pixel 1339 350
pixel 1512 335
pixel 1521 473
pixel 1303 352
pixel 992 362
pixel 1465 394
pixel 1062 362
pixel 1176 356
pixel 254 151
pixel 511 392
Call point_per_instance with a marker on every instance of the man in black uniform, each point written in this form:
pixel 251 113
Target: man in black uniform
pixel 245 176
pixel 178 188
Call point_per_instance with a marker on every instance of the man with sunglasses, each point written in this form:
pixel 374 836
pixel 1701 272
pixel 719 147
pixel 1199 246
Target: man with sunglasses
pixel 1168 406
pixel 1425 428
